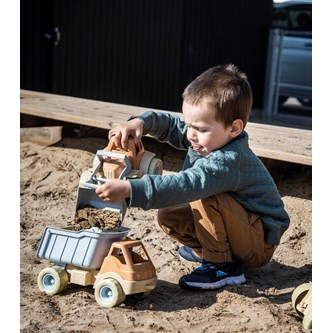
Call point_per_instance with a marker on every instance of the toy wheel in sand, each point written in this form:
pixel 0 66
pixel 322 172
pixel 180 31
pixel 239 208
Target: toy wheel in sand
pixel 109 293
pixel 155 167
pixel 301 300
pixel 52 280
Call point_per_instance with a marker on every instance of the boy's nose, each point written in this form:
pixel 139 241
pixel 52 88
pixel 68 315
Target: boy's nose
pixel 191 134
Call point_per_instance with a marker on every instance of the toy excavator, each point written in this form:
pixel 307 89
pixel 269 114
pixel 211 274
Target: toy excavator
pixel 114 265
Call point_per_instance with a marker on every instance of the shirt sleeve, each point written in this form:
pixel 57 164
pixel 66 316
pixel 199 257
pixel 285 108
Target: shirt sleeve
pixel 201 180
pixel 165 128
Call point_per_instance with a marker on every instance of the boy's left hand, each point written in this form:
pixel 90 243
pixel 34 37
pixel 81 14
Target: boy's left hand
pixel 114 190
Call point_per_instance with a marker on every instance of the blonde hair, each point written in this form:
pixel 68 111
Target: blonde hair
pixel 226 89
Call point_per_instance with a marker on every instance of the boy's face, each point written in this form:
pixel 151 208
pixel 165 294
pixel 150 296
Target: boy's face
pixel 204 132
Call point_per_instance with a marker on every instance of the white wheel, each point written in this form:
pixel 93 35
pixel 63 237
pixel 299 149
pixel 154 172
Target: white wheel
pixel 109 293
pixel 96 161
pixel 85 177
pixel 302 302
pixel 52 280
pixel 155 167
pixel 298 294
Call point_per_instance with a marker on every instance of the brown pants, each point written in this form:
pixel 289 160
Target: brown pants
pixel 217 228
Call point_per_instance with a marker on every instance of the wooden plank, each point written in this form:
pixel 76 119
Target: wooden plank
pixel 42 135
pixel 78 110
pixel 269 141
pixel 281 143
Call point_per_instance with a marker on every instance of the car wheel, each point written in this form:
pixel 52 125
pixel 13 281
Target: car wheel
pixel 305 101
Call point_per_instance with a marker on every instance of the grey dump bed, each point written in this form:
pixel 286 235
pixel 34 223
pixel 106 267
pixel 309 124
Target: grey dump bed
pixel 82 248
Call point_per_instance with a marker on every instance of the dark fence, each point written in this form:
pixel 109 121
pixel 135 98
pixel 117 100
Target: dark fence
pixel 139 52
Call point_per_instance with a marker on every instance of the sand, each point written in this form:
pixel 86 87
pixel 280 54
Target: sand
pixel 48 190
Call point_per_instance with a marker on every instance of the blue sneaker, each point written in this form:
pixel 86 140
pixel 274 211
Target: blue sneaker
pixel 188 254
pixel 213 276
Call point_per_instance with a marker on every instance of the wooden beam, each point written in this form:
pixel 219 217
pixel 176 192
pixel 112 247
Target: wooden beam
pixel 78 110
pixel 269 141
pixel 281 143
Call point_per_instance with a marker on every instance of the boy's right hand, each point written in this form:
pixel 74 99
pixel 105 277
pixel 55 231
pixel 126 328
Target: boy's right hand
pixel 120 134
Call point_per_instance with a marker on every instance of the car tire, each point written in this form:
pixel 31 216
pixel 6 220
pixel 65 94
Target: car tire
pixel 305 101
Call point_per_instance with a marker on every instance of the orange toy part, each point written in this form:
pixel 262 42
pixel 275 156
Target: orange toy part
pixel 134 152
pixel 124 259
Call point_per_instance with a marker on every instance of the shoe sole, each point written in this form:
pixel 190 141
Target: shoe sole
pixel 231 280
pixel 183 259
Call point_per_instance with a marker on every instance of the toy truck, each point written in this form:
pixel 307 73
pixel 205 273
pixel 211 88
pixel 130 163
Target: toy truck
pixel 80 258
pixel 115 266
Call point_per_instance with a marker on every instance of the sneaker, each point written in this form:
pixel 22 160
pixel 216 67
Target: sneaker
pixel 188 254
pixel 213 276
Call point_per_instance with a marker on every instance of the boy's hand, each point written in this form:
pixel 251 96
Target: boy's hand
pixel 120 134
pixel 114 190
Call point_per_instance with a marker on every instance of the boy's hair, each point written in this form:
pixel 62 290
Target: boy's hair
pixel 224 88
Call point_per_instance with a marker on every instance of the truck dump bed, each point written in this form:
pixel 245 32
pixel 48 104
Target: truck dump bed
pixel 82 248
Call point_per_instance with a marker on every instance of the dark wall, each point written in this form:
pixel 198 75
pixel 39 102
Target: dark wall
pixel 36 51
pixel 139 52
pixel 219 32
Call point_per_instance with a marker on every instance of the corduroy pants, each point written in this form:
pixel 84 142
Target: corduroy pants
pixel 217 228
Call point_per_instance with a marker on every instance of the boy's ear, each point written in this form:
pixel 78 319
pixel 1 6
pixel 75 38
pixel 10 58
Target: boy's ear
pixel 236 127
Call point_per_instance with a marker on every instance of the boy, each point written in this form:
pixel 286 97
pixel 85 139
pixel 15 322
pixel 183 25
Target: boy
pixel 223 206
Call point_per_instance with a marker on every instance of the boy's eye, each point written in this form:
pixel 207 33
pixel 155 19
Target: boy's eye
pixel 199 129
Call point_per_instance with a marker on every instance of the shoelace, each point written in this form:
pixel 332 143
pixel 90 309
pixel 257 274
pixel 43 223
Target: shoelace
pixel 205 266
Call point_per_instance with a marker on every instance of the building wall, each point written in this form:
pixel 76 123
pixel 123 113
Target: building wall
pixel 140 52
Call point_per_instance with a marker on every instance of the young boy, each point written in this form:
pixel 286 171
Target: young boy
pixel 223 206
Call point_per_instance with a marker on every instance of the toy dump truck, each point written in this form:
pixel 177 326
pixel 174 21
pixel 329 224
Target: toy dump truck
pixel 114 265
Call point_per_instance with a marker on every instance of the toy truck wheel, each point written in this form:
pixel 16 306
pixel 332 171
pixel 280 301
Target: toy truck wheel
pixel 85 177
pixel 303 294
pixel 302 302
pixel 52 280
pixel 109 293
pixel 155 167
pixel 307 320
pixel 298 294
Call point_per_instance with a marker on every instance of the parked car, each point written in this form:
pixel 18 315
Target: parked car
pixel 294 18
